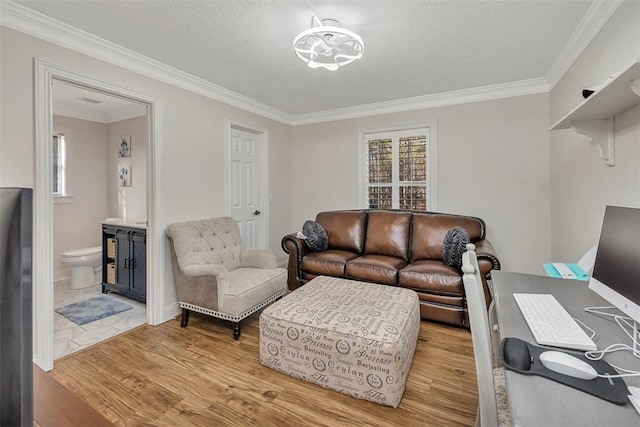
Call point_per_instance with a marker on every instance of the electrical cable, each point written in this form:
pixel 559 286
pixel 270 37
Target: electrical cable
pixel 599 354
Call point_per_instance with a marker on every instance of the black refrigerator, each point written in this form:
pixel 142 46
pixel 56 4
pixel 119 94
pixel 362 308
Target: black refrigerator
pixel 16 355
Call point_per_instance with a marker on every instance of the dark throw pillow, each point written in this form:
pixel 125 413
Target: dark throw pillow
pixel 454 245
pixel 317 239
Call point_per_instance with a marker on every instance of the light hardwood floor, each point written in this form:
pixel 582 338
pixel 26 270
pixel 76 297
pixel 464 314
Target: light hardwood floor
pixel 166 375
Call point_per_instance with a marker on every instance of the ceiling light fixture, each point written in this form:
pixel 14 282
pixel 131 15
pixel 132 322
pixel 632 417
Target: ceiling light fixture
pixel 328 45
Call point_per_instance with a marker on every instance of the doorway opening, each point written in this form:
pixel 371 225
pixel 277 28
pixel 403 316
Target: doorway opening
pixel 46 75
pixel 87 159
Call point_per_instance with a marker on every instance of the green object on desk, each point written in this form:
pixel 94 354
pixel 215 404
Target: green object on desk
pixel 580 273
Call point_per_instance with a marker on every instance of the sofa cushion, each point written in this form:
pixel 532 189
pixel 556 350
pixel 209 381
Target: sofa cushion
pixel 428 232
pixel 375 268
pixel 432 276
pixel 345 229
pixel 388 234
pixel 251 286
pixel 328 263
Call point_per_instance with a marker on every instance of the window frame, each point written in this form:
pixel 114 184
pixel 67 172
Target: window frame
pixel 396 132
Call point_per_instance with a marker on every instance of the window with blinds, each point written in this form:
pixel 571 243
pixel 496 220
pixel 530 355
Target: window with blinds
pixel 59 157
pixel 397 169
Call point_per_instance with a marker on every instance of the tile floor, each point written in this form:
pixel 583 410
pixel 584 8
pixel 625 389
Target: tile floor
pixel 69 337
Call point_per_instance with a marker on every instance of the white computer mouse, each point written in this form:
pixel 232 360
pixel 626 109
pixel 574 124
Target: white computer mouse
pixel 567 364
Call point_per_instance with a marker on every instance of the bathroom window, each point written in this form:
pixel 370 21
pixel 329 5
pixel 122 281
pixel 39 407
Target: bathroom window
pixel 59 165
pixel 399 169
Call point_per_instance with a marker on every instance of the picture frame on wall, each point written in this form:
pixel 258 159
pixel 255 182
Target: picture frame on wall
pixel 125 146
pixel 124 175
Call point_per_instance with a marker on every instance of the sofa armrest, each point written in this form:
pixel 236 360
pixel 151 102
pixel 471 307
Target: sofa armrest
pixel 292 244
pixel 296 248
pixel 197 270
pixel 487 257
pixel 257 258
pixel 217 272
pixel 487 261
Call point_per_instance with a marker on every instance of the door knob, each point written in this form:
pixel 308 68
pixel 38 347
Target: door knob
pixel 256 212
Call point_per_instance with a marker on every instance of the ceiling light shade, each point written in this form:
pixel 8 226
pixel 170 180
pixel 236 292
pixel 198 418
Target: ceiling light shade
pixel 328 45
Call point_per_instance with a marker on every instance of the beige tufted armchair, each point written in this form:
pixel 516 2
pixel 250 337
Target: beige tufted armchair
pixel 214 275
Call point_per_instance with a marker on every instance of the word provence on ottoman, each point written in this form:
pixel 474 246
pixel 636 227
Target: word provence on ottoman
pixel 353 337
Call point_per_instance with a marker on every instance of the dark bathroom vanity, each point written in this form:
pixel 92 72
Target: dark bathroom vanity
pixel 124 260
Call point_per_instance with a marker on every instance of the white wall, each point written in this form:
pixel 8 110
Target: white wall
pixel 76 222
pixel 129 203
pixel 193 138
pixel 581 184
pixel 493 162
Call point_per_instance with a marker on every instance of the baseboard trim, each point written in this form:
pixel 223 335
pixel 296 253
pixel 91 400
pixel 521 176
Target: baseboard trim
pixel 171 311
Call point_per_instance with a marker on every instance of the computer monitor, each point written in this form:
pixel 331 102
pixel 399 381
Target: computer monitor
pixel 616 272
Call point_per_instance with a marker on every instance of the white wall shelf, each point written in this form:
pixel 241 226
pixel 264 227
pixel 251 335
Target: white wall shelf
pixel 594 117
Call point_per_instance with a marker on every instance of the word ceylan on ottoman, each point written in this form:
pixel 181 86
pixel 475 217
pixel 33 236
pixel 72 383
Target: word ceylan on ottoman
pixel 352 337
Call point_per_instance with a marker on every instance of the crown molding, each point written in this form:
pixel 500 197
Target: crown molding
pixel 35 24
pixel 456 97
pixel 596 17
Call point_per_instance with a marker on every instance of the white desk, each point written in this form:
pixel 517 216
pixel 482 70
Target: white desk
pixel 537 401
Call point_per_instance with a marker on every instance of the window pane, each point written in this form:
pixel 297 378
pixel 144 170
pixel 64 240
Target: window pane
pixel 380 198
pixel 397 173
pixel 412 158
pixel 56 164
pixel 413 197
pixel 380 161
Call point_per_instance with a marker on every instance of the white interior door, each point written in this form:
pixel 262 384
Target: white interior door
pixel 245 189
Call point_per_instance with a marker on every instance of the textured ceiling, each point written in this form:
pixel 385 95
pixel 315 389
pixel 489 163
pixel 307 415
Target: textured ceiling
pixel 412 48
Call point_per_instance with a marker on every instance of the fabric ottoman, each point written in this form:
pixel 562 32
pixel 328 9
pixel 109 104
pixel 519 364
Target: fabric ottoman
pixel 352 337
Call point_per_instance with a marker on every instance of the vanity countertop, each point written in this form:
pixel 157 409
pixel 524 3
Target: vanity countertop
pixel 127 223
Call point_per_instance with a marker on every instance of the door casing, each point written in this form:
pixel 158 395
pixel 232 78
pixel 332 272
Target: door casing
pixel 43 275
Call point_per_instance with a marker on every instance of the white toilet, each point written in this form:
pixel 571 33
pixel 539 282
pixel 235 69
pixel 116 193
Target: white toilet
pixel 85 265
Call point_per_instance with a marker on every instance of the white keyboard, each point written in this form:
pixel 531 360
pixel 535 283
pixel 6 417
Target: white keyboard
pixel 551 324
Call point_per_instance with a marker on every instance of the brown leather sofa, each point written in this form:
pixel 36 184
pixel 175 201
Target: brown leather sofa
pixel 398 248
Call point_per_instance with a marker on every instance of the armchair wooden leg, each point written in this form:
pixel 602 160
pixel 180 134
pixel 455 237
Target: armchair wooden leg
pixel 236 331
pixel 185 318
